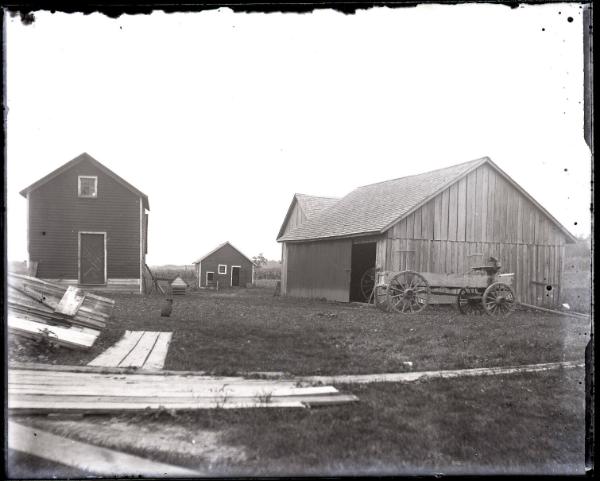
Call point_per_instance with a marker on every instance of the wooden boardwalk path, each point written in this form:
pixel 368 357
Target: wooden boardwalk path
pixel 139 349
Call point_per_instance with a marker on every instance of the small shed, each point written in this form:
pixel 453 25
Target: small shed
pixel 443 221
pixel 178 286
pixel 225 265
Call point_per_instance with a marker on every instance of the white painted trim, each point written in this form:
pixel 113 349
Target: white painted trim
pixel 207 273
pixel 79 258
pixel 231 275
pixel 141 247
pixel 28 233
pixel 219 269
pixel 79 177
pixel 253 266
pixel 199 266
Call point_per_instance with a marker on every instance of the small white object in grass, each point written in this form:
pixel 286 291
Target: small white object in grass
pixel 566 306
pixel 408 363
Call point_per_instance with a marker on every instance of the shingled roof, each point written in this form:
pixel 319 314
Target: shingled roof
pixel 311 205
pixel 374 208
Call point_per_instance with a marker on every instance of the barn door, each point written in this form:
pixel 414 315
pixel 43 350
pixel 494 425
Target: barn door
pixel 92 258
pixel 319 269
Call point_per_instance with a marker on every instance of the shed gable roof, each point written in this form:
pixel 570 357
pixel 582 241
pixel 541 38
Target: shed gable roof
pixel 77 160
pixel 374 208
pixel 219 247
pixel 311 205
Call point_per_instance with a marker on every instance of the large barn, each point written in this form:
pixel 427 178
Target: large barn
pixel 87 226
pixel 444 221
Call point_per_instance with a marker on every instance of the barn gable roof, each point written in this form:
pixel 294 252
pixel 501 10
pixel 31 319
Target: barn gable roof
pixel 220 246
pixel 373 209
pixel 311 205
pixel 80 158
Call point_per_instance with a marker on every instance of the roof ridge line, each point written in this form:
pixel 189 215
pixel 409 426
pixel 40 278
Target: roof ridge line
pixel 485 157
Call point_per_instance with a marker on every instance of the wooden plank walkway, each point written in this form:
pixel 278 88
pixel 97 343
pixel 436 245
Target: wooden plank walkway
pixel 45 391
pixel 138 349
pixel 87 457
pixel 423 375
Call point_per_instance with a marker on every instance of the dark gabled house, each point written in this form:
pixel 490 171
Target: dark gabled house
pixel 226 265
pixel 444 221
pixel 87 226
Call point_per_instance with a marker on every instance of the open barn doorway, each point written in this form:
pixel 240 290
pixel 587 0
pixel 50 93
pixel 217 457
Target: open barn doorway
pixel 363 259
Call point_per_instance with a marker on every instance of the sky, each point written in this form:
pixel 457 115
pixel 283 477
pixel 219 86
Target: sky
pixel 220 117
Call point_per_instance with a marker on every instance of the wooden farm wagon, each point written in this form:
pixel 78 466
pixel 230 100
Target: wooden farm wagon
pixel 409 292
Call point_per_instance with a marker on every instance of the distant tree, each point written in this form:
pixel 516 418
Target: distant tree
pixel 259 260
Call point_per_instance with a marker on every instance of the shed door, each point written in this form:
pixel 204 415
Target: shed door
pixel 92 259
pixel 235 276
pixel 319 269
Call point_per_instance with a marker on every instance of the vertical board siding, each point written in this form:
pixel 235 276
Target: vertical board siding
pixel 462 210
pixel 320 269
pixel 296 218
pixel 57 214
pixel 470 220
pixel 481 213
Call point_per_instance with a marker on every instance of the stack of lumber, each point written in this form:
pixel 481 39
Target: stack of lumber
pixel 83 389
pixel 68 317
pixel 178 286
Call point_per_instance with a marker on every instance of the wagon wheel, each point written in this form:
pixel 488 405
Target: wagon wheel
pixel 498 299
pixel 469 301
pixel 408 292
pixel 380 298
pixel 367 283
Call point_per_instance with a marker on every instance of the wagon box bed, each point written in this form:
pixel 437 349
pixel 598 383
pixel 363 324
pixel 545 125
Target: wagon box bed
pixel 410 292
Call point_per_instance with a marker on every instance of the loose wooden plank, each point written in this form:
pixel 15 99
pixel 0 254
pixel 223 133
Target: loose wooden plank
pixel 428 375
pixel 69 337
pixel 71 301
pixel 138 355
pixel 115 354
pixel 156 358
pixel 87 457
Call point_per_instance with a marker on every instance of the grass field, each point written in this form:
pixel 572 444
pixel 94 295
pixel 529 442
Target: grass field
pixel 526 423
pixel 250 330
pixel 522 423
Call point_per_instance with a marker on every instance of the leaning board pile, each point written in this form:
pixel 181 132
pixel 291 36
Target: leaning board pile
pixel 68 317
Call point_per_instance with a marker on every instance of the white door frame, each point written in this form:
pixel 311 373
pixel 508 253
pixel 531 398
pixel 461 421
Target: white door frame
pixel 231 275
pixel 79 258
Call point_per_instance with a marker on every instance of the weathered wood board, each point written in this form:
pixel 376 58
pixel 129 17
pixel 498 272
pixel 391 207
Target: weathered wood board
pixel 44 391
pixel 71 301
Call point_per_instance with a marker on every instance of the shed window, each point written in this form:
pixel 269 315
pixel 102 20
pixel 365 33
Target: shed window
pixel 222 269
pixel 88 186
pixel 210 276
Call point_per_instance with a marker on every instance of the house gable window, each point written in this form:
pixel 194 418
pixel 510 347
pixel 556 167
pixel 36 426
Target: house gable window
pixel 222 269
pixel 87 186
